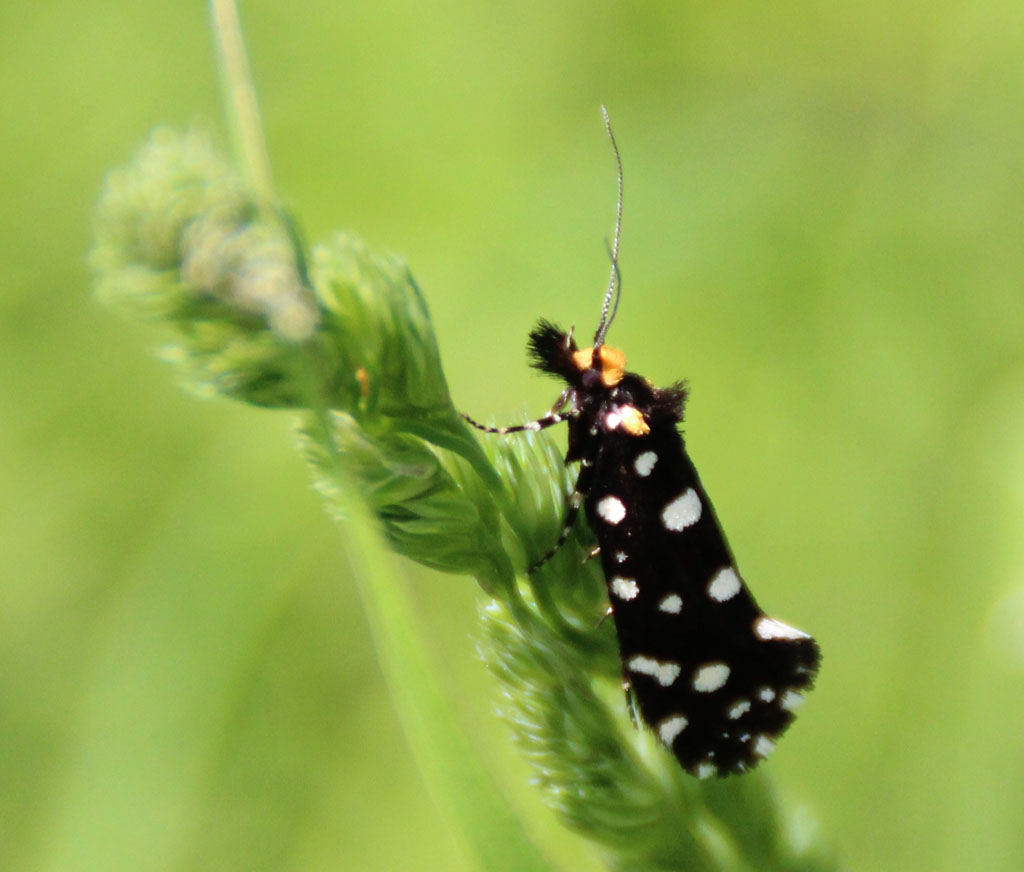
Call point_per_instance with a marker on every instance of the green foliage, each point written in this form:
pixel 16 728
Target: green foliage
pixel 347 343
pixel 178 238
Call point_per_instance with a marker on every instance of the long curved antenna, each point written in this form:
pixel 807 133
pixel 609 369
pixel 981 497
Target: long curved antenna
pixel 609 309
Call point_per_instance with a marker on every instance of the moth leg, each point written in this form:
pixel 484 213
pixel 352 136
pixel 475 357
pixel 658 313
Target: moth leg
pixel 582 487
pixel 570 520
pixel 553 416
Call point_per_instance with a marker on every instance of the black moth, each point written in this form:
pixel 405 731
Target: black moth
pixel 711 674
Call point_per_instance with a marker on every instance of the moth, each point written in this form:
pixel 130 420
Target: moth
pixel 715 678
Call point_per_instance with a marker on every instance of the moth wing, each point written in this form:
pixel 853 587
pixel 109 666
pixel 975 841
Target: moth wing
pixel 711 674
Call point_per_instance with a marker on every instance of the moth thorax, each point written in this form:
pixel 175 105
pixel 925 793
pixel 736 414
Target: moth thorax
pixel 611 363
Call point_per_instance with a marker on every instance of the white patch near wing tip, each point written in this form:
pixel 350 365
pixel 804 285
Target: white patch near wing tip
pixel 705 769
pixel 791 700
pixel 770 629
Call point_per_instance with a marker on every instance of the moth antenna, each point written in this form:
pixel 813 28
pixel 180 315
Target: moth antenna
pixel 613 256
pixel 609 308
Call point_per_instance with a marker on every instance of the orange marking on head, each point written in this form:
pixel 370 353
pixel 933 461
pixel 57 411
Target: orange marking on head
pixel 633 421
pixel 610 361
pixel 584 359
pixel 613 365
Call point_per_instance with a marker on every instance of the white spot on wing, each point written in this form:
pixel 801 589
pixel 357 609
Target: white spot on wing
pixel 684 511
pixel 766 694
pixel 710 677
pixel 673 604
pixel 620 556
pixel 645 463
pixel 791 700
pixel 610 509
pixel 705 769
pixel 724 586
pixel 739 709
pixel 612 420
pixel 665 673
pixel 624 588
pixel 768 629
pixel 671 727
pixel 763 746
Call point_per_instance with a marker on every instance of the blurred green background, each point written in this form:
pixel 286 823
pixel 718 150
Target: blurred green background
pixel 823 224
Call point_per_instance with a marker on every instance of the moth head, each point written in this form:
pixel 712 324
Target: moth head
pixel 553 350
pixel 609 364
